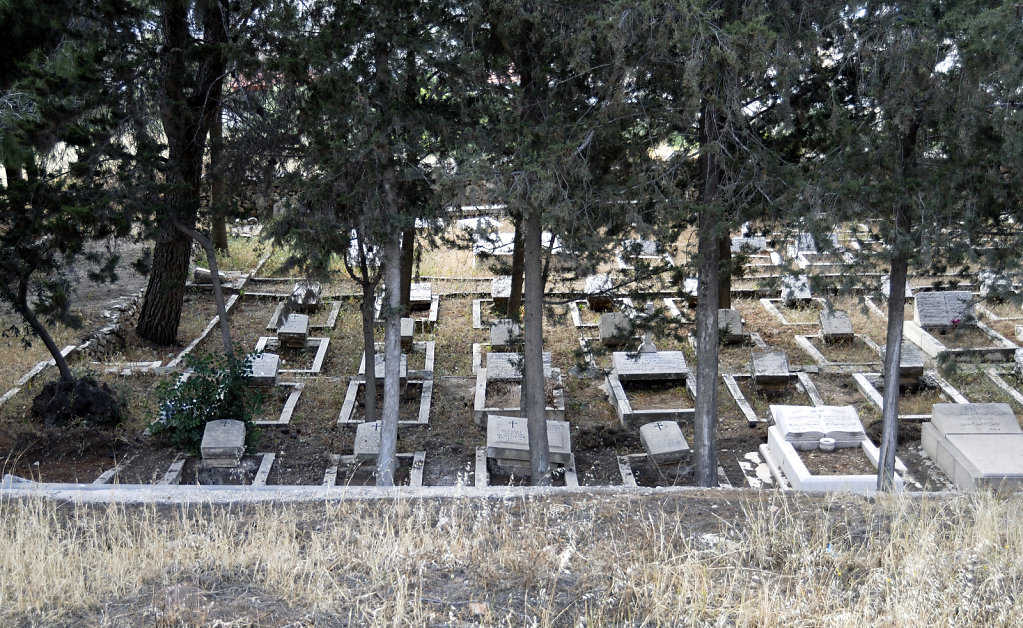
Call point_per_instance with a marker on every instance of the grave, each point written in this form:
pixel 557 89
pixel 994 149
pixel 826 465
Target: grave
pixel 978 445
pixel 367 440
pixel 508 443
pixel 911 363
pixel 378 367
pixel 664 442
pixel 615 329
pixel 943 310
pixel 650 367
pixel 263 369
pixel 501 379
pixel 730 326
pixel 646 250
pixel 223 443
pixel 506 367
pixel 500 290
pixel 749 244
pixel 598 292
pixel 836 326
pixel 770 371
pixel 306 297
pixel 886 287
pixel 993 285
pixel 407 328
pixel 319 345
pixel 805 426
pixel 795 290
pixel 420 295
pixel 505 334
pixel 294 330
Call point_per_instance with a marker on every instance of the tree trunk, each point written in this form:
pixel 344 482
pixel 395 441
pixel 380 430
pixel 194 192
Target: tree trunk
pixel 707 336
pixel 218 196
pixel 161 309
pixel 387 461
pixel 533 381
pixel 369 348
pixel 21 304
pixel 408 258
pixel 515 298
pixel 725 278
pixel 218 290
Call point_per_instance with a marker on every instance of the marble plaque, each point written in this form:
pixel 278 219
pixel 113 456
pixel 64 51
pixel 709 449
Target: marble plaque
pixel 988 461
pixel 806 425
pixel 943 310
pixel 408 327
pixel 664 442
pixel 508 437
pixel 367 440
pixel 974 418
pixel 421 295
pixel 306 296
pixel 507 367
pixel 750 245
pixel 500 287
pixel 661 365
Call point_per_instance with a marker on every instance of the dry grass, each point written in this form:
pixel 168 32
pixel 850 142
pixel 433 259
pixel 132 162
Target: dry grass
pixel 596 560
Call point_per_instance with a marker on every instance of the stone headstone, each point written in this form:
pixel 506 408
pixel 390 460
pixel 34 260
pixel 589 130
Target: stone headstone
pixel 408 327
pixel 615 329
pixel 690 290
pixel 500 290
pixel 664 442
pixel 987 461
pixel 204 275
pixel 943 310
pixel 504 333
pixel 911 363
pixel 1018 362
pixel 641 367
pixel 294 330
pixel 886 287
pixel 795 289
pixel 508 438
pixel 770 370
pixel 749 245
pixel 367 440
pixel 730 326
pixel 223 443
pixel 974 418
pixel 506 367
pixel 805 426
pixel 994 285
pixel 836 326
pixel 378 367
pixel 648 336
pixel 264 368
pixel 306 297
pixel 806 244
pixel 420 295
pixel 598 292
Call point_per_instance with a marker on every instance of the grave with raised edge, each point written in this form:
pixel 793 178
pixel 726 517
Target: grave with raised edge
pixel 223 443
pixel 978 445
pixel 294 330
pixel 770 370
pixel 943 310
pixel 805 426
pixel 836 326
pixel 911 363
pixel 508 440
pixel 650 367
pixel 420 295
pixel 749 244
pixel 407 326
pixel 598 292
pixel 664 442
pixel 505 334
pixel 615 329
pixel 379 366
pixel 264 368
pixel 306 297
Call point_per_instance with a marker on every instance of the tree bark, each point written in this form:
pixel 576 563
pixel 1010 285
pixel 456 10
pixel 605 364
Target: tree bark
pixel 21 304
pixel 165 291
pixel 408 258
pixel 515 298
pixel 218 290
pixel 387 461
pixel 533 382
pixel 218 196
pixel 725 279
pixel 369 348
pixel 892 359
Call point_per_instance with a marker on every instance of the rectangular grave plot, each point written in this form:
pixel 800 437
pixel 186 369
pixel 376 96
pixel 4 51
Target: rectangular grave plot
pixel 413 407
pixel 511 473
pixel 657 396
pixel 1007 382
pixel 1000 310
pixel 504 398
pixel 854 351
pixel 915 401
pixel 657 366
pixel 979 387
pixel 800 313
pixel 760 400
pixel 279 404
pixel 351 472
pixel 790 466
pixel 307 360
pixel 845 461
pixel 587 316
pixel 323 318
pixel 193 472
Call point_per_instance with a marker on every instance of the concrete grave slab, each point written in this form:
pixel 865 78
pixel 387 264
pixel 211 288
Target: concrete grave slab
pixel 749 244
pixel 795 289
pixel 505 367
pixel 658 366
pixel 886 287
pixel 664 442
pixel 986 461
pixel 770 369
pixel 294 330
pixel 974 418
pixel 836 326
pixel 804 426
pixel 504 334
pixel 730 326
pixel 367 440
pixel 306 297
pixel 407 326
pixel 943 310
pixel 223 443
pixel 615 329
pixel 264 369
pixel 508 438
pixel 420 295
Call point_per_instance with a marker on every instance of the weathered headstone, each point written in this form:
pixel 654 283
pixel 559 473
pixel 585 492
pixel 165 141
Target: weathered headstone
pixel 504 333
pixel 648 336
pixel 615 329
pixel 730 326
pixel 598 292
pixel 911 363
pixel 294 330
pixel 508 439
pixel 836 326
pixel 264 369
pixel 806 244
pixel 974 418
pixel 994 285
pixel 640 248
pixel 664 442
pixel 408 327
pixel 420 295
pixel 749 245
pixel 367 440
pixel 659 366
pixel 306 297
pixel 795 289
pixel 378 367
pixel 805 426
pixel 500 290
pixel 770 370
pixel 506 367
pixel 223 443
pixel 886 287
pixel 943 310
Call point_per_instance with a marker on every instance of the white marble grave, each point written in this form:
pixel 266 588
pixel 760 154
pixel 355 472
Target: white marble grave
pixel 795 289
pixel 750 244
pixel 223 443
pixel 943 310
pixel 805 426
pixel 506 367
pixel 978 445
pixel 664 442
pixel 508 439
pixel 500 290
pixel 598 292
pixel 420 295
pixel 306 297
pixel 407 328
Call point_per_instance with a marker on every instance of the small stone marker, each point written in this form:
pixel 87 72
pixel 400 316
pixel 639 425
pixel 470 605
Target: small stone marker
pixel 615 329
pixel 836 326
pixel 994 285
pixel 598 292
pixel 505 367
pixel 500 290
pixel 751 245
pixel 943 310
pixel 648 336
pixel 420 295
pixel 508 439
pixel 407 329
pixel 770 370
pixel 730 326
pixel 367 440
pixel 204 275
pixel 505 333
pixel 659 366
pixel 223 443
pixel 795 289
pixel 306 297
pixel 294 330
pixel 264 369
pixel 664 442
pixel 911 363
pixel 805 426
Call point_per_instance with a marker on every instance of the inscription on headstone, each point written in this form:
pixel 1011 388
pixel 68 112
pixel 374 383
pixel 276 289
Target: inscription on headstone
pixel 615 329
pixel 506 367
pixel 974 418
pixel 662 365
pixel 730 326
pixel 770 369
pixel 804 426
pixel 943 310
pixel 223 443
pixel 664 442
pixel 508 437
pixel 367 440
pixel 294 330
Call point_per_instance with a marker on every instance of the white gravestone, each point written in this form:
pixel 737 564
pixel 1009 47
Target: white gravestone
pixel 664 442
pixel 420 295
pixel 615 329
pixel 598 292
pixel 306 297
pixel 749 245
pixel 643 367
pixel 504 333
pixel 730 326
pixel 507 367
pixel 367 440
pixel 806 244
pixel 974 418
pixel 973 443
pixel 943 310
pixel 994 285
pixel 264 369
pixel 886 287
pixel 640 248
pixel 408 327
pixel 500 290
pixel 294 330
pixel 795 289
pixel 770 369
pixel 508 438
pixel 648 336
pixel 836 326
pixel 223 443
pixel 805 426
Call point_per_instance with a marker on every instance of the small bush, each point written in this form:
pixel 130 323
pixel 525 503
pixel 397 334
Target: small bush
pixel 217 389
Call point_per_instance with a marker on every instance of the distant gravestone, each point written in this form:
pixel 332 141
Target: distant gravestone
pixel 508 439
pixel 749 245
pixel 615 329
pixel 264 369
pixel 806 244
pixel 770 370
pixel 943 310
pixel 408 327
pixel 367 440
pixel 500 290
pixel 690 290
pixel 805 426
pixel 504 333
pixel 659 366
pixel 994 284
pixel 911 363
pixel 886 287
pixel 730 326
pixel 640 248
pixel 379 366
pixel 647 345
pixel 420 295
pixel 664 442
pixel 506 367
pixel 1018 362
pixel 306 297
pixel 795 289
pixel 974 418
pixel 598 292
pixel 294 330
pixel 204 275
pixel 223 443
pixel 836 326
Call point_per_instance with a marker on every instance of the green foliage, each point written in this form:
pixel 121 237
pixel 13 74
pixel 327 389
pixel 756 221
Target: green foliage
pixel 217 389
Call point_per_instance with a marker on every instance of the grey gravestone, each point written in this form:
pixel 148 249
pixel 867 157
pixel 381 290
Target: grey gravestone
pixel 664 442
pixel 648 336
pixel 597 290
pixel 378 367
pixel 204 275
pixel 508 438
pixel 943 310
pixel 795 289
pixel 886 287
pixel 806 244
pixel 223 443
pixel 420 295
pixel 294 330
pixel 504 333
pixel 993 284
pixel 367 440
pixel 506 367
pixel 911 363
pixel 987 461
pixel 730 326
pixel 690 290
pixel 836 326
pixel 306 297
pixel 408 327
pixel 615 329
pixel 264 369
pixel 770 369
pixel 974 418
pixel 751 245
pixel 642 367
pixel 805 426
pixel 500 290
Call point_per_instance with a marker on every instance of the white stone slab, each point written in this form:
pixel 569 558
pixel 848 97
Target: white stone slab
pixel 615 329
pixel 661 365
pixel 223 443
pixel 506 367
pixel 804 426
pixel 750 245
pixel 408 327
pixel 598 292
pixel 421 294
pixel 294 330
pixel 367 440
pixel 911 361
pixel 264 369
pixel 795 289
pixel 974 418
pixel 500 288
pixel 835 325
pixel 508 438
pixel 504 333
pixel 886 287
pixel 941 310
pixel 989 461
pixel 640 248
pixel 730 325
pixel 805 244
pixel 994 284
pixel 378 366
pixel 664 442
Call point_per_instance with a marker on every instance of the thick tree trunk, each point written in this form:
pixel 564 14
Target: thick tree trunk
pixel 161 309
pixel 533 382
pixel 387 461
pixel 218 290
pixel 725 278
pixel 892 358
pixel 515 298
pixel 408 258
pixel 369 347
pixel 218 196
pixel 707 335
pixel 21 304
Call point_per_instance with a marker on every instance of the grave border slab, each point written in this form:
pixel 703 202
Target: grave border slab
pixel 931 379
pixel 289 405
pixel 768 304
pixel 270 343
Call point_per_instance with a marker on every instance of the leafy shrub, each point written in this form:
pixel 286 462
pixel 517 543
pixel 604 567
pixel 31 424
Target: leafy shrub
pixel 216 389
